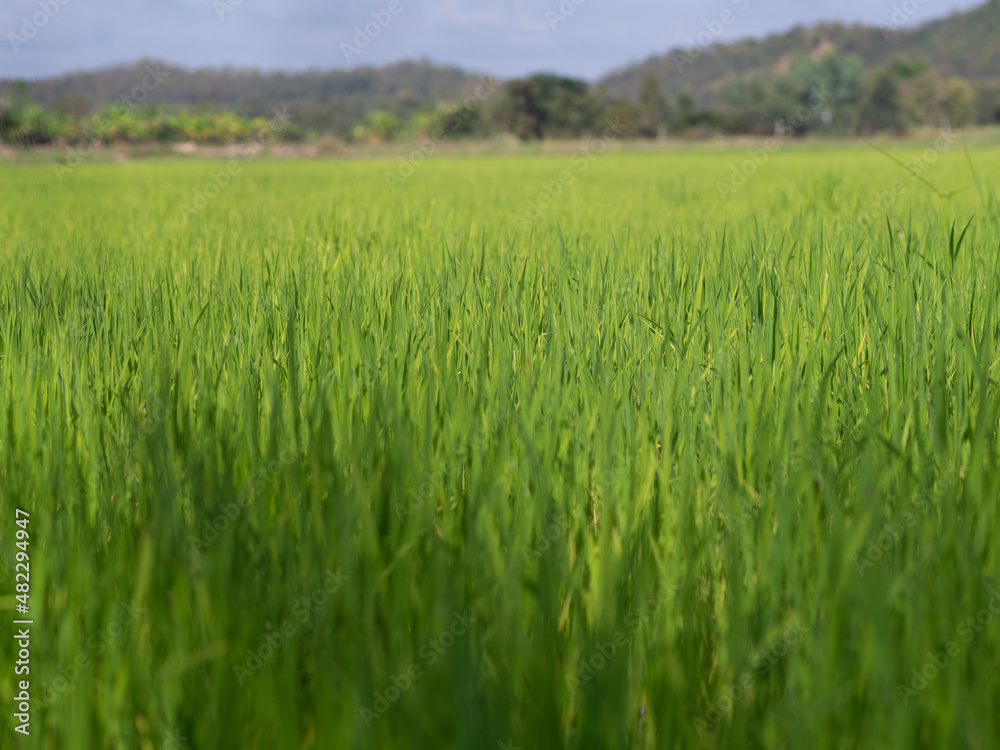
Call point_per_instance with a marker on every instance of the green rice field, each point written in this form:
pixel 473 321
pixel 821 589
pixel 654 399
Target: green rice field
pixel 605 450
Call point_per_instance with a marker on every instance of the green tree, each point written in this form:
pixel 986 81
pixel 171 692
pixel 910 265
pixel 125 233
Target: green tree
pixel 839 80
pixel 549 106
pixel 958 102
pixel 747 106
pixel 20 94
pixel 904 68
pixel 568 106
pixel 686 103
pixel 378 127
pixel 883 107
pixel 922 98
pixel 73 105
pixel 458 120
pixel 10 123
pixel 654 107
pixel 988 98
pixel 522 114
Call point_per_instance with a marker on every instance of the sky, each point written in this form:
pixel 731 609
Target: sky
pixel 507 38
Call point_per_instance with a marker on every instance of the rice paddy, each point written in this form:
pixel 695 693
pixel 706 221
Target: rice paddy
pixel 499 456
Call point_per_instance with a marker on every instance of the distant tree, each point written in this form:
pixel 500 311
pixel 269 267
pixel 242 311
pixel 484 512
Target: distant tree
pixel 686 103
pixel 746 100
pixel 883 107
pixel 252 106
pixel 785 102
pixel 734 93
pixel 958 102
pixel 524 116
pixel 839 80
pixel 628 118
pixel 407 103
pixel 28 126
pixel 20 94
pixel 690 117
pixel 378 127
pixel 922 98
pixel 569 107
pixel 903 69
pixel 549 106
pixel 458 120
pixel 73 105
pixel 654 107
pixel 988 98
pixel 10 123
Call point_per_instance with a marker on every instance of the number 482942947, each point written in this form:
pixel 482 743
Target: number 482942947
pixel 23 579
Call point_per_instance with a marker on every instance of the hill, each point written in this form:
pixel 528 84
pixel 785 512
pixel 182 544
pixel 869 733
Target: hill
pixel 964 44
pixel 322 100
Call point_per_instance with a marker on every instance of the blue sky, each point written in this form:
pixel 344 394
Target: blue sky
pixel 503 37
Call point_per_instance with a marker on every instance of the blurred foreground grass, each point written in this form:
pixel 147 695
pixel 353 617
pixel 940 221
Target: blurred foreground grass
pixel 326 464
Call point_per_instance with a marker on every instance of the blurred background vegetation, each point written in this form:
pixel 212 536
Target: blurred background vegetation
pixel 946 73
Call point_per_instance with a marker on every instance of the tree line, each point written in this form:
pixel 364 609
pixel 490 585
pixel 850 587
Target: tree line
pixel 832 93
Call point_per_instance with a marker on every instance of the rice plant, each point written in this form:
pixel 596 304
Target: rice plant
pixel 316 463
